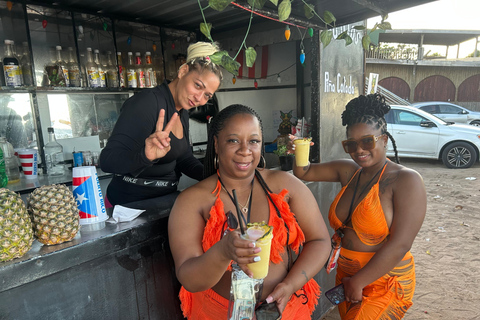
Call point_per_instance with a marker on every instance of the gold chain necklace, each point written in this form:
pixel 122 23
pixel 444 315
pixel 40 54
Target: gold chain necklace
pixel 243 207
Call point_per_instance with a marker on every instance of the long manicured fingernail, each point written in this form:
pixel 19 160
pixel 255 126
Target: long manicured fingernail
pixel 257 258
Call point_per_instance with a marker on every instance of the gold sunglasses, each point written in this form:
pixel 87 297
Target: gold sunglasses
pixel 366 143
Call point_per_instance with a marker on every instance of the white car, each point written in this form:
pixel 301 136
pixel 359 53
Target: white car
pixel 419 134
pixel 450 112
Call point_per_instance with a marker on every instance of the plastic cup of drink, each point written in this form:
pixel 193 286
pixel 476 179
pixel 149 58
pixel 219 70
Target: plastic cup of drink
pixel 29 161
pixel 260 268
pixel 302 151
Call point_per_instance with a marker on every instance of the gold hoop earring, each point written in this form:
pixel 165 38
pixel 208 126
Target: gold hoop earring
pixel 264 163
pixel 215 163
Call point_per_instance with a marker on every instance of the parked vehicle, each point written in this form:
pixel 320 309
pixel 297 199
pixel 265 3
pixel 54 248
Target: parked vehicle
pixel 419 134
pixel 450 112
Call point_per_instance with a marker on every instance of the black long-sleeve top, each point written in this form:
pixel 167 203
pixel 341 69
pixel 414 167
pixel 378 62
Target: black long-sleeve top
pixel 124 153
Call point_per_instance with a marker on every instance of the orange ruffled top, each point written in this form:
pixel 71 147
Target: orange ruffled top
pixel 368 218
pixel 213 231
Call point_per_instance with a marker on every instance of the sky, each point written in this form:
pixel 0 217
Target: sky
pixel 440 15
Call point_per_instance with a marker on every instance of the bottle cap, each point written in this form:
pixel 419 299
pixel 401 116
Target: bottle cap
pixel 137 54
pixel 58 47
pixel 96 51
pixel 89 49
pixel 50 130
pixel 148 53
pixel 7 41
pixel 130 53
pixel 119 53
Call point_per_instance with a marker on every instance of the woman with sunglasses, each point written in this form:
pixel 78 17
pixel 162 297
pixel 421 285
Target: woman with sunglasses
pixel 376 215
pixel 204 230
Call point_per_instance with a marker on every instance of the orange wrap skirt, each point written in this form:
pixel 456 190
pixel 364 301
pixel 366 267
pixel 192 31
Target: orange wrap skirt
pixel 209 305
pixel 387 298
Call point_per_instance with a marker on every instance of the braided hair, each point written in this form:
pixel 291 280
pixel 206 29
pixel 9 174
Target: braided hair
pixel 218 124
pixel 371 110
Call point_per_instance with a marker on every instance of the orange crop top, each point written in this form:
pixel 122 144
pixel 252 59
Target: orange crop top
pixel 368 218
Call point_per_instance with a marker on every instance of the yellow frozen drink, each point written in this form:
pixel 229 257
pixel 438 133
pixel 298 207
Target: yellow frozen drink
pixel 262 235
pixel 302 151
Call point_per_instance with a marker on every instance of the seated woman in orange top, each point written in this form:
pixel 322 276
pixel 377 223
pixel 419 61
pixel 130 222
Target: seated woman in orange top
pixel 202 247
pixel 377 213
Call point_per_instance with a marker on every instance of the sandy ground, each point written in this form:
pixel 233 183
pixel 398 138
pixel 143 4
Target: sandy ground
pixel 447 248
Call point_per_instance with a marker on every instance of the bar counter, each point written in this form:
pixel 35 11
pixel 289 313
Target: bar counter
pixel 123 271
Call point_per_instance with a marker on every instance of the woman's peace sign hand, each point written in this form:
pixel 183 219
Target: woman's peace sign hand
pixel 157 144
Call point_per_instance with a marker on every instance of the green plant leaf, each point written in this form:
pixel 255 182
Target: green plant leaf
pixel 250 56
pixel 325 37
pixel 328 17
pixel 344 36
pixel 366 42
pixel 275 2
pixel 309 10
pixel 284 10
pixel 219 5
pixel 257 4
pixel 359 27
pixel 230 65
pixel 385 25
pixel 205 29
pixel 217 57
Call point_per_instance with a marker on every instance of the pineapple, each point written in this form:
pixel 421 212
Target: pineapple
pixel 16 234
pixel 54 214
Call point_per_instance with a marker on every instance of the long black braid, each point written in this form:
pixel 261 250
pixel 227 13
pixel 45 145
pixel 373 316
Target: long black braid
pixel 217 125
pixel 371 110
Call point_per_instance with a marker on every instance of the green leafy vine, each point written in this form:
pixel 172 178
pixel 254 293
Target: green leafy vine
pixel 284 10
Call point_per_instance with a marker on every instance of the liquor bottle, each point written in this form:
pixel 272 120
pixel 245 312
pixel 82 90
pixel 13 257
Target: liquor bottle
pixel 139 70
pixel 10 161
pixel 26 63
pixel 74 78
pixel 62 67
pixel 20 72
pixel 101 69
pixel 112 73
pixel 150 74
pixel 121 71
pixel 131 74
pixel 11 67
pixel 54 155
pixel 93 78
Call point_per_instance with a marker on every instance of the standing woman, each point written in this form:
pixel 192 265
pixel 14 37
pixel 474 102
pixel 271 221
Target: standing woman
pixel 204 241
pixel 377 213
pixel 149 147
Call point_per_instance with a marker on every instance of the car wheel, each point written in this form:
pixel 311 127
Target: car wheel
pixel 475 123
pixel 459 155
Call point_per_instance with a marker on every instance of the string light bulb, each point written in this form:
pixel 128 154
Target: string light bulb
pixel 255 83
pixel 44 23
pixel 279 80
pixel 302 57
pixel 129 40
pixel 154 46
pixel 188 38
pixel 173 46
pixel 234 79
pixel 310 32
pixel 287 32
pixel 9 5
pixel 80 29
pixel 105 26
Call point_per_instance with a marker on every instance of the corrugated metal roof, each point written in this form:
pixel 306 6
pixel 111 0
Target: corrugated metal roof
pixel 186 15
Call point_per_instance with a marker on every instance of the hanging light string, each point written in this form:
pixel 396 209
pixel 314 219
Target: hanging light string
pixel 266 17
pixel 275 73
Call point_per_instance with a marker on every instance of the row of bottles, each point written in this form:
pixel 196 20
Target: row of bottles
pixel 63 69
pixel 136 73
